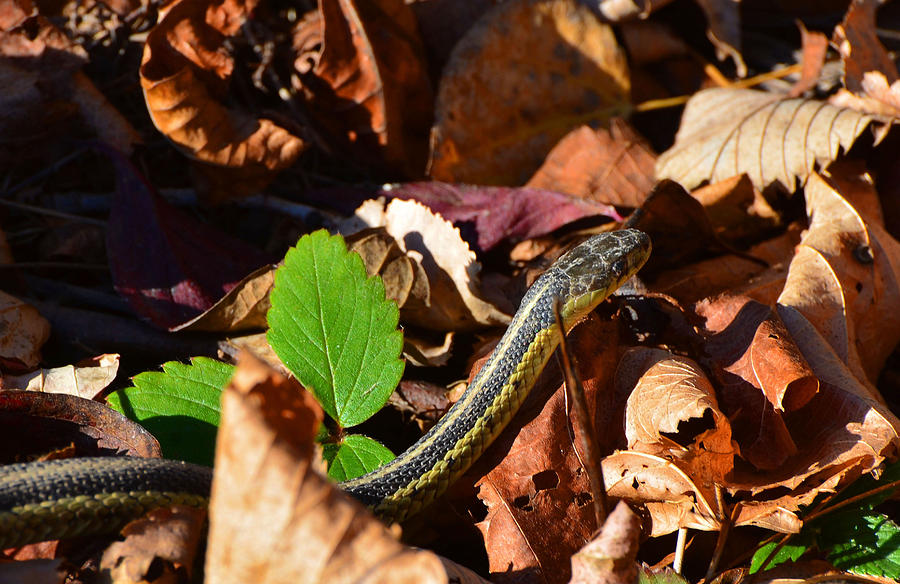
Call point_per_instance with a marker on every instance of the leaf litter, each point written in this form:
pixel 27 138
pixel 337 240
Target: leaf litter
pixel 742 379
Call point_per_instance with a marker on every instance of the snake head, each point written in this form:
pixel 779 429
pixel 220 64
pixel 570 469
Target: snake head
pixel 594 269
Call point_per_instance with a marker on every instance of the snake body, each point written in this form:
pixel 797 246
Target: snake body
pixel 62 498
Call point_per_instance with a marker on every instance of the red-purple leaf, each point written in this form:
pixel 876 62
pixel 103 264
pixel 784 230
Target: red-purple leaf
pixel 169 266
pixel 500 213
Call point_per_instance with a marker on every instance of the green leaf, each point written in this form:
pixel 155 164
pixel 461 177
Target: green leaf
pixel 790 552
pixel 179 405
pixel 333 328
pixel 664 576
pixel 866 544
pixel 356 456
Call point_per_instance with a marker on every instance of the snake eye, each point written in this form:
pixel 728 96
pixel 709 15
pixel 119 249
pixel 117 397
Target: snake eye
pixel 618 267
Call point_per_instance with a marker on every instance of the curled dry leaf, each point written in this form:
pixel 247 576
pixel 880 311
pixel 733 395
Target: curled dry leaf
pixel 404 278
pixel 610 557
pixel 448 262
pixel 23 331
pixel 86 379
pixel 45 91
pixel 273 517
pixel 184 74
pixel 487 129
pixel 612 166
pixel 726 132
pixel 877 96
pixel 160 547
pixel 242 308
pixel 849 265
pixel 861 52
pixel 370 84
pixel 761 375
pixel 670 395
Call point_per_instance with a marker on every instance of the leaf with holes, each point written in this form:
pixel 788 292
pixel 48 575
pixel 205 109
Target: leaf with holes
pixel 334 330
pixel 354 457
pixel 179 405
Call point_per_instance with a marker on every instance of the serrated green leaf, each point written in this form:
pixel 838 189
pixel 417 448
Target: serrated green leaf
pixel 179 405
pixel 790 552
pixel 354 457
pixel 664 576
pixel 332 327
pixel 864 544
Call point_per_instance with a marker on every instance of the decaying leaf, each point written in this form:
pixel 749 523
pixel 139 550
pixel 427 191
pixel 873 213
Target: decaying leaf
pixel 761 375
pixel 487 129
pixel 46 92
pixel 23 331
pixel 856 38
pixel 673 411
pixel 242 308
pixel 265 468
pixel 612 166
pixel 610 557
pixel 370 85
pixel 86 379
pixel 726 132
pixel 404 278
pixel 184 74
pixel 449 263
pixel 160 547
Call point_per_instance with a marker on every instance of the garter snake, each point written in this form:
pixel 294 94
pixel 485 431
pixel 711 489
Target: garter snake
pixel 64 498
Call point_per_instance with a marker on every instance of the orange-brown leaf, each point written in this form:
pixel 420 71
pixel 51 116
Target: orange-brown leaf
pixel 488 128
pixel 265 468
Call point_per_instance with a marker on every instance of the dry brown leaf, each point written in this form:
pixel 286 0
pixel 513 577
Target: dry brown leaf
pixel 736 209
pixel 448 262
pixel 243 308
pixel 815 47
pixel 23 331
pixel 538 497
pixel 45 93
pixel 761 375
pixel 672 411
pixel 610 557
pixel 861 52
pixel 761 280
pixel 487 129
pixel 612 166
pixel 370 85
pixel 312 531
pixel 726 132
pixel 671 496
pixel 404 278
pixel 184 74
pixel 86 379
pixel 845 266
pixel 877 96
pixel 161 547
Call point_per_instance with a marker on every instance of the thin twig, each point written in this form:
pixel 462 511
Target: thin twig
pixel 52 213
pixel 585 430
pixel 727 522
pixel 679 550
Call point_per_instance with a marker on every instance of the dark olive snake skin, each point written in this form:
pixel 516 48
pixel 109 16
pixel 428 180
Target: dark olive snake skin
pixel 65 498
